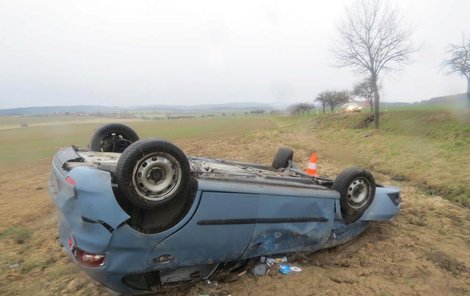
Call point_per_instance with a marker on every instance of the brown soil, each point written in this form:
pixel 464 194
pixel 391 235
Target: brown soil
pixel 425 251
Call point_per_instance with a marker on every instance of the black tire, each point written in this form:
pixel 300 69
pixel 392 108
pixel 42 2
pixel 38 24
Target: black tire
pixel 114 137
pixel 356 187
pixel 151 173
pixel 282 158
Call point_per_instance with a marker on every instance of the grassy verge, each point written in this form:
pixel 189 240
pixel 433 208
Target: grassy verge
pixel 431 148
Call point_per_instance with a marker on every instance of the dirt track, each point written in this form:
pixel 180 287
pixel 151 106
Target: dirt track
pixel 426 251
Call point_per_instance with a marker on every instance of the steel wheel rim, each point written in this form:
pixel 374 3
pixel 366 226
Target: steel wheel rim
pixel 358 192
pixel 157 177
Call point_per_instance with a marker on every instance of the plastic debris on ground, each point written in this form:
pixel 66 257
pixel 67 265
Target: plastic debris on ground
pixel 295 269
pixel 267 263
pixel 286 269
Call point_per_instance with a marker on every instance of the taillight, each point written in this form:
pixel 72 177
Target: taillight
pixel 71 243
pixel 70 181
pixel 84 257
pixel 89 259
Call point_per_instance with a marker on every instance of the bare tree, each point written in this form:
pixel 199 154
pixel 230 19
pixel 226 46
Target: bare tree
pixel 373 40
pixel 459 62
pixel 336 98
pixel 332 99
pixel 301 108
pixel 365 90
pixel 323 99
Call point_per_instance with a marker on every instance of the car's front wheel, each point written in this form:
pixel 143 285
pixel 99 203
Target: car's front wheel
pixel 356 187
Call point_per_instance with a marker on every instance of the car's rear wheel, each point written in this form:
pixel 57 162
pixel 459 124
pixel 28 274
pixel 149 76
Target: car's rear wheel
pixel 282 158
pixel 114 137
pixel 152 172
pixel 356 187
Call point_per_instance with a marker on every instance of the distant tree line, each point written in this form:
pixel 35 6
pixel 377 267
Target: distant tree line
pixel 332 99
pixel 301 108
pixel 328 99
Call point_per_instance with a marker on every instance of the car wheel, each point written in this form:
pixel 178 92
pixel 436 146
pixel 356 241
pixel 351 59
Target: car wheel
pixel 282 158
pixel 357 190
pixel 152 172
pixel 112 137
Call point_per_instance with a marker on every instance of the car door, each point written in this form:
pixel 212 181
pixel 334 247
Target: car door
pixel 292 223
pixel 220 230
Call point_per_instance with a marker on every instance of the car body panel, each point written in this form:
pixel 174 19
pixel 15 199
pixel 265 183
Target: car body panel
pixel 95 196
pixel 383 208
pixel 290 224
pixel 89 210
pixel 200 242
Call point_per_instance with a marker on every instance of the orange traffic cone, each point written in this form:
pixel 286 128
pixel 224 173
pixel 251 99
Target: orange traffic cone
pixel 312 165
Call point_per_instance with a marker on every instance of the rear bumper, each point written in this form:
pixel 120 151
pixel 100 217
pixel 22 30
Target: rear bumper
pixel 89 209
pixel 111 280
pixel 89 215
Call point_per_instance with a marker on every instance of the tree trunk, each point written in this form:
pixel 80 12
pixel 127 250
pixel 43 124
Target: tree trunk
pixel 376 101
pixel 323 105
pixel 370 100
pixel 468 92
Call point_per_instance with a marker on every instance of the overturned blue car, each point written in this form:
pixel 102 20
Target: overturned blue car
pixel 140 215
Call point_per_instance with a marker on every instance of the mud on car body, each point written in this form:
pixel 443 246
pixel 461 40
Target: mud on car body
pixel 140 215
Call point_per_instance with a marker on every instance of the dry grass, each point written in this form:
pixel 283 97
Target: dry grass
pixel 425 251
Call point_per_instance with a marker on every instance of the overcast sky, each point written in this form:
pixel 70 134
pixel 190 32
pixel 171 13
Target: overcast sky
pixel 125 53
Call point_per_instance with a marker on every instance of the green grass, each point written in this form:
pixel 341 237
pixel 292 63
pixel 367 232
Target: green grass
pixel 15 121
pixel 19 234
pixel 441 125
pixel 22 145
pixel 424 107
